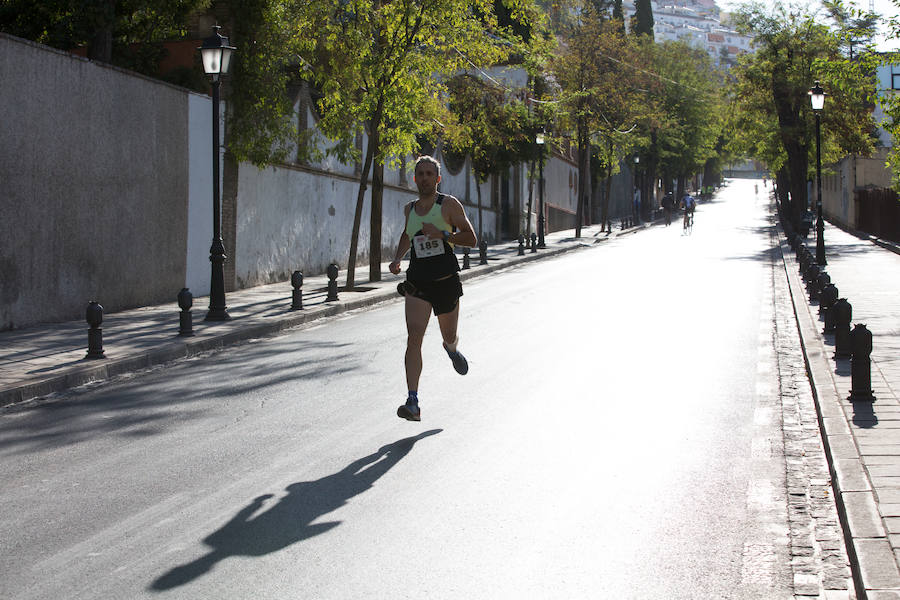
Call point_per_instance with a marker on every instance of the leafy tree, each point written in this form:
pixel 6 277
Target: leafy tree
pixel 618 15
pixel 261 128
pixel 381 67
pixel 793 51
pixel 689 106
pixel 490 127
pixel 106 27
pixel 642 21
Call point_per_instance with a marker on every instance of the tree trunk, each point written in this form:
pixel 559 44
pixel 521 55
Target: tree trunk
pixel 528 213
pixel 357 217
pixel 582 176
pixel 100 46
pixel 478 193
pixel 372 150
pixel 375 218
pixel 781 188
pixel 605 216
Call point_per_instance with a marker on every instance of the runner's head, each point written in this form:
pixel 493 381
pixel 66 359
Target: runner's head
pixel 427 175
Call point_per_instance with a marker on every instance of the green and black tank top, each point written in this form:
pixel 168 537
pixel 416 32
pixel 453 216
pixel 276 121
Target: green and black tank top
pixel 431 259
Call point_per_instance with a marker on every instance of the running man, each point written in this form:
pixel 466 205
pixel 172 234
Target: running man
pixel 435 224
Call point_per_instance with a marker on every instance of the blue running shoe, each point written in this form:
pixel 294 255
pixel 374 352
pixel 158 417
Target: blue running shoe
pixel 410 411
pixel 459 361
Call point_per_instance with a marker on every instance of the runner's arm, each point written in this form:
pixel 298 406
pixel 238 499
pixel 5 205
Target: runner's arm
pixel 456 216
pixel 403 246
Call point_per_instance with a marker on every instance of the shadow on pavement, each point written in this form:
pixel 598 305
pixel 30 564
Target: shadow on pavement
pixel 254 533
pixel 159 400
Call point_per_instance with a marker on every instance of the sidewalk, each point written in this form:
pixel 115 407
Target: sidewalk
pixel 862 439
pixel 40 360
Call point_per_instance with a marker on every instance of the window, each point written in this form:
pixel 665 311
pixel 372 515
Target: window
pixel 895 81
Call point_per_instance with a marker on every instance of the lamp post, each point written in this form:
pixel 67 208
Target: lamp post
pixel 216 55
pixel 817 99
pixel 539 140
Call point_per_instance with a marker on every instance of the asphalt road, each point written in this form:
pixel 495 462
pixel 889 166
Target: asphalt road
pixel 605 444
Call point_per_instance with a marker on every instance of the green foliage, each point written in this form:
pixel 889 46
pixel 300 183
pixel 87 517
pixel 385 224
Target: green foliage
pixel 690 108
pixel 385 64
pixel 771 103
pixel 604 79
pixel 261 129
pixel 69 24
pixel 642 21
pixel 491 127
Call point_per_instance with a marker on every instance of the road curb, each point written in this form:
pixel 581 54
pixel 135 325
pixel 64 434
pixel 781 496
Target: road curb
pixel 865 537
pixel 241 330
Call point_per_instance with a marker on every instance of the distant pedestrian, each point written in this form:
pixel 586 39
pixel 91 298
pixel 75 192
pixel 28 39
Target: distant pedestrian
pixel 637 205
pixel 668 203
pixel 435 224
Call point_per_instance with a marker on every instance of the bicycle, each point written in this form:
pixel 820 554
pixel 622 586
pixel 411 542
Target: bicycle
pixel 688 225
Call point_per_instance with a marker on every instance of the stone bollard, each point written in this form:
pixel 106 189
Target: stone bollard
pixel 803 260
pixel 815 271
pixel 843 314
pixel 466 258
pixel 861 365
pixel 810 272
pixel 827 299
pixel 482 252
pixel 185 320
pixel 521 245
pixel 821 281
pixel 94 316
pixel 332 272
pixel 297 294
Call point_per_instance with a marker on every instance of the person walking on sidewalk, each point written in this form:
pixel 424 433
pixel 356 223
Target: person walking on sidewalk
pixel 435 224
pixel 668 203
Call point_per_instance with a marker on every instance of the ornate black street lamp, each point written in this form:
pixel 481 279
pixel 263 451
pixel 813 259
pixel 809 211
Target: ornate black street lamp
pixel 539 140
pixel 216 55
pixel 817 99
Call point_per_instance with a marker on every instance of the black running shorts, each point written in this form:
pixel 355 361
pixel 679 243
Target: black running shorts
pixel 443 295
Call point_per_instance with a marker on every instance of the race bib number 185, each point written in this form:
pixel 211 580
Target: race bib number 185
pixel 425 247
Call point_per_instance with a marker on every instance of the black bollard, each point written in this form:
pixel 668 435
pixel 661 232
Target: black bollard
pixel 843 314
pixel 297 294
pixel 482 251
pixel 827 299
pixel 521 245
pixel 821 281
pixel 803 261
pixel 94 316
pixel 813 285
pixel 533 243
pixel 185 320
pixel 332 272
pixel 861 365
pixel 466 258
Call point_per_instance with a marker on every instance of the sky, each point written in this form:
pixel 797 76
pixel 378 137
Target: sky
pixel 885 8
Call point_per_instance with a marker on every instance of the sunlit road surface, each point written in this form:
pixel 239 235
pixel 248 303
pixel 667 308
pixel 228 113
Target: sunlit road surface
pixel 601 446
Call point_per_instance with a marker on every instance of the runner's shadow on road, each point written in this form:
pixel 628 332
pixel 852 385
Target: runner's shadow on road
pixel 254 533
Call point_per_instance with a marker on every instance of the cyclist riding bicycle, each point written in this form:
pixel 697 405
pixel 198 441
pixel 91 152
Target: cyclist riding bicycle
pixel 688 204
